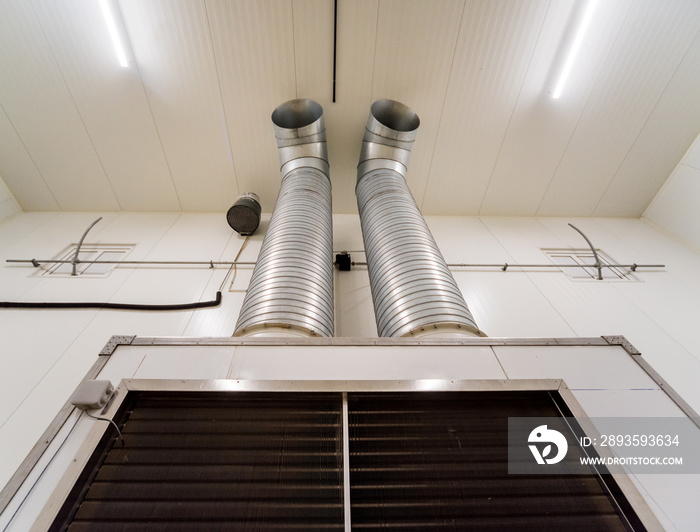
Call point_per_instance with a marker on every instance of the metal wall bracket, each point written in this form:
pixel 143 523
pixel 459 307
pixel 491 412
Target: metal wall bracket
pixel 598 265
pixel 76 260
pixel 623 342
pixel 114 342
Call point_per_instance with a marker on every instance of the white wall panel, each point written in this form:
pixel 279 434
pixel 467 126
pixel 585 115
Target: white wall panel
pixel 254 49
pixel 657 248
pixel 8 205
pixel 354 311
pixel 523 239
pixel 178 363
pixel 496 41
pixel 540 127
pixel 466 240
pixel 627 403
pixel 172 45
pixel 675 207
pixel 221 321
pixel 415 49
pixel 45 353
pixel 692 158
pixel 353 363
pixel 45 241
pixel 37 101
pixel 533 362
pixel 632 80
pixel 111 102
pixel 510 304
pixel 671 127
pixel 19 227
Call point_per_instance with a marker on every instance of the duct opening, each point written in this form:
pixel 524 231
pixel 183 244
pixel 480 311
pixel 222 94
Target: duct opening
pixel 395 115
pixel 296 114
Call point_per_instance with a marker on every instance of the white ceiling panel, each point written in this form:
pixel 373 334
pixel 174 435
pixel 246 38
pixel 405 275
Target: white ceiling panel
pixel 20 173
pixel 172 46
pixel 111 102
pixel 415 45
pixel 186 126
pixel 254 49
pixel 345 119
pixel 541 127
pixel 493 52
pixel 649 49
pixel 34 95
pixel 663 141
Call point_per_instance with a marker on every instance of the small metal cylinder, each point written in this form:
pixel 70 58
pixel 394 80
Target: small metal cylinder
pixel 244 214
pixel 413 290
pixel 292 284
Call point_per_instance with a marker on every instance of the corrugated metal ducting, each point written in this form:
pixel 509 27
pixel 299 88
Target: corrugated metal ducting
pixel 214 462
pixel 412 287
pixel 292 283
pixel 439 461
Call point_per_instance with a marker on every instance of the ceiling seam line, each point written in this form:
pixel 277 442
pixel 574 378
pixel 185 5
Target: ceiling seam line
pixel 77 110
pixel 442 109
pixel 30 157
pixel 153 118
pixel 221 96
pixel 294 47
pixel 515 106
pixel 658 101
pixel 583 111
pixel 374 56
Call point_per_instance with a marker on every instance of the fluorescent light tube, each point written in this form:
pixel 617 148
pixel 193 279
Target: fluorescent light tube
pixel 588 15
pixel 113 33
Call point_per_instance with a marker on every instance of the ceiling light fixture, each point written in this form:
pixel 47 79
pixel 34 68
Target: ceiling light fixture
pixel 113 33
pixel 575 48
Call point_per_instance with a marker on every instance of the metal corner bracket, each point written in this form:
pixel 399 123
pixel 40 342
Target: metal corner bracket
pixel 622 342
pixel 114 342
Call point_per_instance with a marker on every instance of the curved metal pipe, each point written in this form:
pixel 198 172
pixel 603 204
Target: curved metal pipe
pixel 291 290
pixel 412 288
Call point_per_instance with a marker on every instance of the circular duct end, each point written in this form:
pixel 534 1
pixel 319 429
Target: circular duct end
pixel 393 120
pixel 395 115
pixel 244 215
pixel 298 118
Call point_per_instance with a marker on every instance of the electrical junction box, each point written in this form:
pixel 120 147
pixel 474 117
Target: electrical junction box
pixel 92 394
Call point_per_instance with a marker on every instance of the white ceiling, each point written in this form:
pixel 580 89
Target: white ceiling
pixel 186 126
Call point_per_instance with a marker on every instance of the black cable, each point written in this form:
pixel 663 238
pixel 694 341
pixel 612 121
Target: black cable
pixel 112 422
pixel 335 42
pixel 114 306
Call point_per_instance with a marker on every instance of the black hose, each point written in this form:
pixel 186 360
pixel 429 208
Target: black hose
pixel 115 306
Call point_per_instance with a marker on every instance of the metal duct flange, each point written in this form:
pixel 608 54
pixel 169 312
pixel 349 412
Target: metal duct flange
pixel 412 288
pixel 291 290
pixel 244 215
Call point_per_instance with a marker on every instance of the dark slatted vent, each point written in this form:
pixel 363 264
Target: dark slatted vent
pixel 214 462
pixel 438 461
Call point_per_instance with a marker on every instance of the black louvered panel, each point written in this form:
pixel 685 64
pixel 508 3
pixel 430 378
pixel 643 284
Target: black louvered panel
pixel 437 461
pixel 241 461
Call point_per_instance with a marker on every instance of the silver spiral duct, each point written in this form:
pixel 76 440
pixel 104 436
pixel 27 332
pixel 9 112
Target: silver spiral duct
pixel 412 288
pixel 292 283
